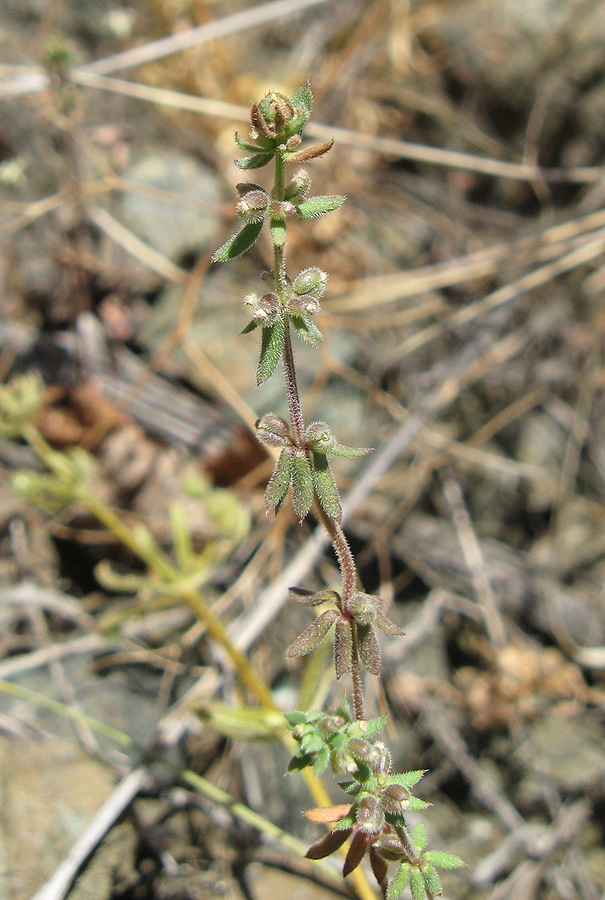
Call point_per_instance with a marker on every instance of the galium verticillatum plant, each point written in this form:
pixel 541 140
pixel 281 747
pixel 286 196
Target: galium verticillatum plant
pixel 346 742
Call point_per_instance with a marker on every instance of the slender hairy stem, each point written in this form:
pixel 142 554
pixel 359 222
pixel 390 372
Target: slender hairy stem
pixel 356 674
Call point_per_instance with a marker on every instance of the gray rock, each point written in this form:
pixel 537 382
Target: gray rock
pixel 173 226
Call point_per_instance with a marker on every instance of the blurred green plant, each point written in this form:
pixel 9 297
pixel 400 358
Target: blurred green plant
pixel 347 743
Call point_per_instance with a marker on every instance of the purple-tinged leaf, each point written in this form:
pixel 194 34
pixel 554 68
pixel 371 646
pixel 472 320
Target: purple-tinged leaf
pixel 357 850
pixel 385 624
pixel 369 650
pixel 313 635
pixel 343 647
pixel 327 845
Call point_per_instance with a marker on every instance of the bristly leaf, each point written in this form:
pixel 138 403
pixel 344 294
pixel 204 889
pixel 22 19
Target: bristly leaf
pixel 238 243
pixel 312 636
pixel 343 647
pixel 325 486
pixel 416 884
pixel 349 452
pixel 408 779
pixel 399 883
pixel 368 649
pixel 313 598
pixel 252 324
pixel 277 228
pixel 307 330
pixel 320 763
pixel 302 484
pixel 385 624
pixel 443 860
pixel 278 484
pixel 271 349
pixel 416 804
pixel 254 162
pixel 319 206
pixel 248 146
pixel 432 880
pixel 370 727
pixel 419 836
pixel 303 97
pixel 298 763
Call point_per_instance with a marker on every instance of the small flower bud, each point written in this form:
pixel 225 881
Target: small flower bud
pixel 293 142
pixel 273 431
pixel 363 608
pixel 360 749
pixel 343 762
pixel 396 799
pixel 389 846
pixel 298 732
pixel 310 281
pixel 383 765
pixel 319 437
pixel 252 207
pixel 279 209
pixel 299 185
pixel 369 815
pixel 304 304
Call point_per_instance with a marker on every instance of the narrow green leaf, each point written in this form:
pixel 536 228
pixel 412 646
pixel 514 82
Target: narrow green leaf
pixel 325 487
pixel 252 324
pixel 311 743
pixel 303 97
pixel 312 637
pixel 307 330
pixel 419 836
pixel 432 880
pixel 302 484
pixel 254 162
pixel 246 145
pixel 299 762
pixel 278 484
pixel 443 860
pixel 278 232
pixel 295 717
pixel 399 883
pixel 417 804
pixel 271 349
pixel 238 243
pixel 407 779
pixel 349 452
pixel 416 884
pixel 372 726
pixel 319 206
pixel 321 761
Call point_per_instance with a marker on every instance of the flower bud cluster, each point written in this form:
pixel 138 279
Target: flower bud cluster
pixel 252 204
pixel 264 309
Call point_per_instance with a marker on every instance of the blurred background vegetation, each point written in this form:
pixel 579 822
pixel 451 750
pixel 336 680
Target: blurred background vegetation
pixel 464 326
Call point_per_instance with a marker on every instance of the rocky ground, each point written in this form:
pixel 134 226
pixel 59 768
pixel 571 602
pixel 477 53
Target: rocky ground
pixel 464 321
